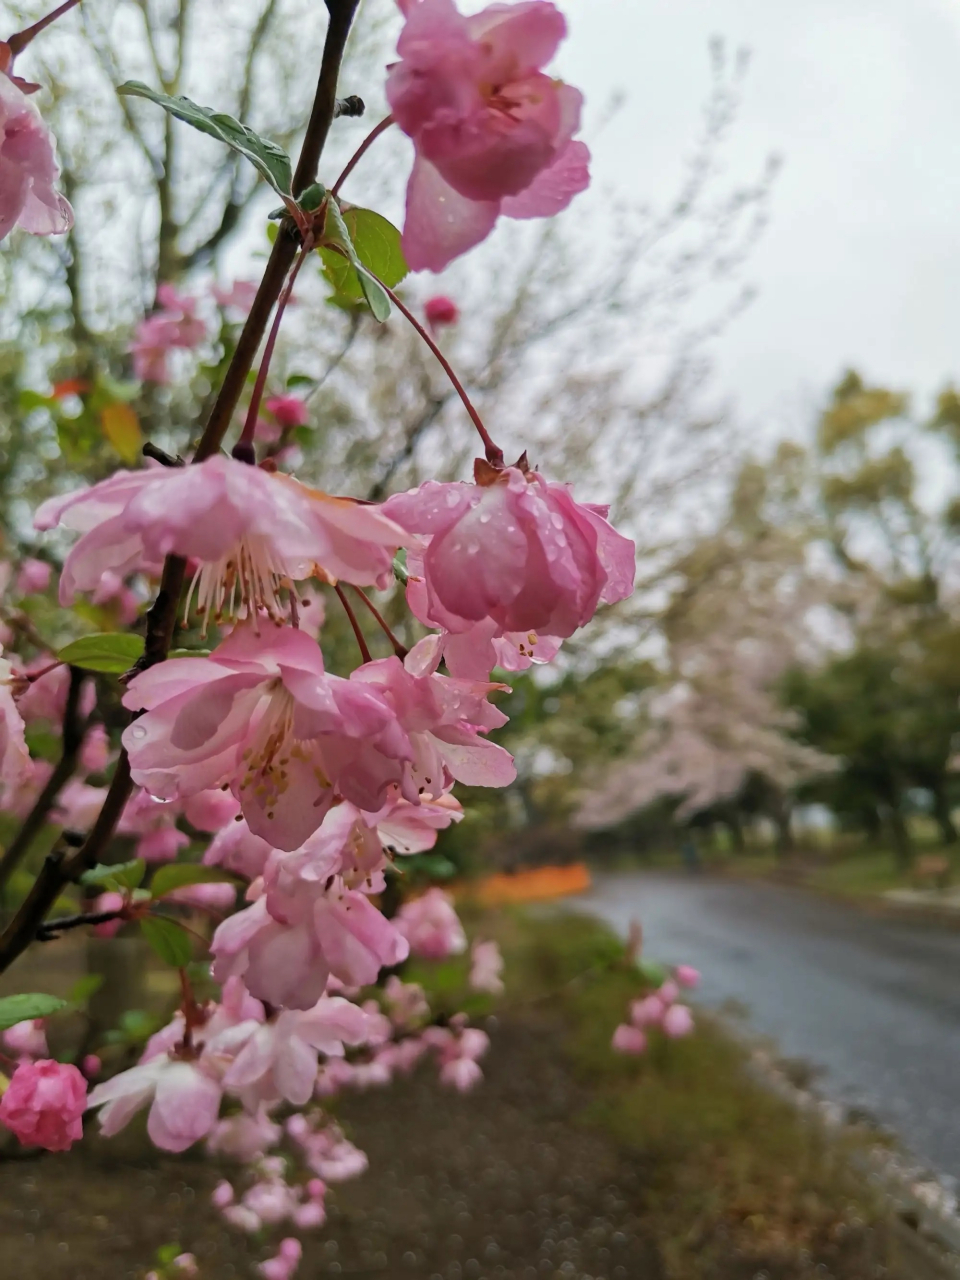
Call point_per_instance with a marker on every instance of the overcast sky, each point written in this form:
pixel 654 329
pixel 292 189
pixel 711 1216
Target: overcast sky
pixel 861 262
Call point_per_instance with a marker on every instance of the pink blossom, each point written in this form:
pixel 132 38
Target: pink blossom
pixel 45 697
pixel 261 715
pixel 78 805
pixel 91 1066
pixel 44 1102
pixel 445 721
pixel 218 897
pixel 175 325
pixel 113 591
pixel 677 1021
pixel 431 926
pixel 223 1194
pixel 458 1052
pixel 27 1039
pixel 286 946
pixel 250 532
pixel 493 134
pixel 238 298
pixel 413 828
pixel 34 576
pixel 628 1039
pixel 515 549
pixel 28 168
pixel 441 311
pixel 686 975
pixel 647 1012
pixel 95 749
pixel 668 992
pixel 237 849
pixel 211 810
pixel 162 846
pixel 279 1060
pixel 405 1001
pixel 186 1263
pixel 284 1263
pixel 486 966
pixel 184 1100
pixel 326 1151
pixel 244 1137
pixel 287 411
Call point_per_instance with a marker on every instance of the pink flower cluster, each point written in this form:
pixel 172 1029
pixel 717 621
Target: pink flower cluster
pixel 28 168
pixel 174 325
pixel 658 1011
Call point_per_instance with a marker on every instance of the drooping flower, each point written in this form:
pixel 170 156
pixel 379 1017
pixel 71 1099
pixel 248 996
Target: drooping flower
pixel 445 721
pixel 250 532
pixel 431 926
pixel 493 133
pixel 261 715
pixel 44 1103
pixel 515 549
pixel 486 966
pixel 28 168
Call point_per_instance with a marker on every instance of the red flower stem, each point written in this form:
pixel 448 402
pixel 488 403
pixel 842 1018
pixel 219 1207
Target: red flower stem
pixel 361 641
pixel 494 452
pixel 17 43
pixel 400 650
pixel 244 450
pixel 358 155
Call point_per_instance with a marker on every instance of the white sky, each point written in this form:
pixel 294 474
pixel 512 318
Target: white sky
pixel 861 98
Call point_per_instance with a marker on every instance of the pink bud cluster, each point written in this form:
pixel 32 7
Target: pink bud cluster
pixel 658 1011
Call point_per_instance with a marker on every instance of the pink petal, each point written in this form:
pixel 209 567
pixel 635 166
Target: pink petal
pixel 441 224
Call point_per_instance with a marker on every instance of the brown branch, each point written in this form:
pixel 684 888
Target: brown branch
pixel 17 43
pixel 63 771
pixel 59 870
pixel 52 929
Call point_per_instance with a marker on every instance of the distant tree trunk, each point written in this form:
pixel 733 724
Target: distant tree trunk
pixel 902 846
pixel 941 811
pixel 781 810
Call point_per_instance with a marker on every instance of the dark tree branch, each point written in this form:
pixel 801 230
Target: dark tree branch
pixel 58 869
pixel 52 930
pixel 63 771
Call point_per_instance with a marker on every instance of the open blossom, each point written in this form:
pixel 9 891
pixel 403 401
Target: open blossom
pixel 28 168
pixel 250 531
pixel 44 1104
pixel 513 557
pixel 285 946
pixel 174 325
pixel 261 715
pixel 279 1060
pixel 444 721
pixel 493 133
pixel 284 1263
pixel 184 1100
pixel 458 1049
pixel 486 966
pixel 326 1151
pixel 244 1137
pixel 431 926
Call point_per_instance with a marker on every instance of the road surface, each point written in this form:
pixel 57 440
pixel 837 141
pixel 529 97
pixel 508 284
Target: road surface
pixel 872 1003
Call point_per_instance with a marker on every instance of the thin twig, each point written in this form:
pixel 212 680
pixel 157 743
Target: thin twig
pixel 17 43
pixel 357 156
pixel 63 771
pixel 399 649
pixel 348 609
pixel 52 929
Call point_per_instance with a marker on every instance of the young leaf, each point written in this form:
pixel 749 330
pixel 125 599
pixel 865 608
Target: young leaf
pixel 121 426
pixel 122 875
pixel 26 1006
pixel 177 874
pixel 337 234
pixel 271 161
pixel 110 651
pixel 168 940
pixel 85 987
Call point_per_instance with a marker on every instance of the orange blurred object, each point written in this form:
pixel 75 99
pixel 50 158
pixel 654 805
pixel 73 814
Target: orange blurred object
pixel 533 885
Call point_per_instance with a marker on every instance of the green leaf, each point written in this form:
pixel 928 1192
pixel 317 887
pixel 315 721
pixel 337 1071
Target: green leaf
pixel 270 161
pixel 314 196
pixel 85 987
pixel 400 566
pixel 337 233
pixel 177 874
pixel 653 973
pixel 26 1006
pixel 168 940
pixel 110 651
pixel 122 875
pixel 166 1254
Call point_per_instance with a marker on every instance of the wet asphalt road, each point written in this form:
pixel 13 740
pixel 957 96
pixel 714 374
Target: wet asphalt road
pixel 873 1004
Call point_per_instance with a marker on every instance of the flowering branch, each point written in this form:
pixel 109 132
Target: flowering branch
pixel 62 773
pixel 59 870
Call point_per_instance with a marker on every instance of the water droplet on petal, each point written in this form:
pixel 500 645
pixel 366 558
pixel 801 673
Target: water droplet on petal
pixel 138 731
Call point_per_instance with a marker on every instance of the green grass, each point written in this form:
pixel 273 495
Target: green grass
pixel 860 875
pixel 728 1163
